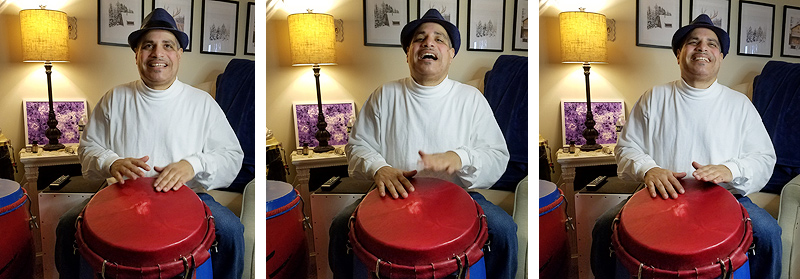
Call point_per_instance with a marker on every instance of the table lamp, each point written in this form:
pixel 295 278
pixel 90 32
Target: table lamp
pixel 312 37
pixel 583 40
pixel 44 39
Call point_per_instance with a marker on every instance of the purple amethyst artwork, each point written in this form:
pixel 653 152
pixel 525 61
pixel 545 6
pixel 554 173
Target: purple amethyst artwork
pixel 68 113
pixel 605 115
pixel 336 115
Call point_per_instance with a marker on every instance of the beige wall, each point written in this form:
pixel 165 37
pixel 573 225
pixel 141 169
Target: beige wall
pixel 631 70
pixel 360 69
pixel 93 69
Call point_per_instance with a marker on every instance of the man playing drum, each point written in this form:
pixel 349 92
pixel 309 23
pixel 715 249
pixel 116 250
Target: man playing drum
pixel 696 126
pixel 429 126
pixel 158 126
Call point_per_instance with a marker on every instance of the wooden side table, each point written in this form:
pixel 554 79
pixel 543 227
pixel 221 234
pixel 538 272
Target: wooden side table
pixel 568 164
pixel 32 162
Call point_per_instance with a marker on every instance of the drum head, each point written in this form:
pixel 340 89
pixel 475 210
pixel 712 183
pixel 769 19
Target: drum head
pixel 10 192
pixel 132 224
pixel 696 229
pixel 548 193
pixel 436 221
pixel 279 194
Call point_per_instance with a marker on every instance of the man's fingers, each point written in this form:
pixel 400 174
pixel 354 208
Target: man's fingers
pixel 381 188
pixel 401 190
pixel 676 185
pixel 696 165
pixel 410 174
pixel 652 189
pixel 392 190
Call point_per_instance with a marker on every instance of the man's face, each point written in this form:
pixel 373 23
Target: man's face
pixel 700 56
pixel 157 58
pixel 429 55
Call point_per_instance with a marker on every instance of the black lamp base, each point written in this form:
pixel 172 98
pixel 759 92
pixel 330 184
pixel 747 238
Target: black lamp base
pixel 323 149
pixel 51 147
pixel 593 147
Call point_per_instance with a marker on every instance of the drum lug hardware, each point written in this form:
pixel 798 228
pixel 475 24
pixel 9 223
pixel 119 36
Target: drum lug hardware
pixel 753 248
pixel 214 245
pixel 488 245
pixel 348 247
pixel 307 222
pixel 611 252
pixel 569 224
pixel 33 222
pixel 74 248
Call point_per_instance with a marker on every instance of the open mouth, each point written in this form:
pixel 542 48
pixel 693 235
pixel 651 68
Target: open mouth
pixel 430 56
pixel 157 64
pixel 702 59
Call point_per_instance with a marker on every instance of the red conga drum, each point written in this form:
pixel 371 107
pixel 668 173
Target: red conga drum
pixel 287 249
pixel 704 233
pixel 16 242
pixel 553 241
pixel 437 231
pixel 131 231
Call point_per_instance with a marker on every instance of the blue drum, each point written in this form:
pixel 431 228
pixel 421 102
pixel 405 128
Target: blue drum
pixel 16 241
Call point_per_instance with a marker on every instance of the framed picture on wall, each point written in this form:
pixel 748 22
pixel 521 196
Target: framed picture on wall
pixel 116 19
pixel 485 20
pixel 718 10
pixel 68 113
pixel 220 18
pixel 790 42
pixel 520 41
pixel 337 116
pixel 605 112
pixel 182 12
pixel 756 22
pixel 250 43
pixel 656 22
pixel 383 21
pixel 448 9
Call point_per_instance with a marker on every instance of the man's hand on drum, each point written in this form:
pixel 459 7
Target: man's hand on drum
pixel 173 176
pixel 712 173
pixel 447 162
pixel 664 182
pixel 130 167
pixel 395 181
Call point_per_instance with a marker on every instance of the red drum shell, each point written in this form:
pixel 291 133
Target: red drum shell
pixel 17 254
pixel 287 249
pixel 421 234
pixel 553 241
pixel 138 230
pixel 673 237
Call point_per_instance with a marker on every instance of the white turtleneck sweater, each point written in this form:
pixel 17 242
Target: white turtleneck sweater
pixel 402 117
pixel 674 124
pixel 178 123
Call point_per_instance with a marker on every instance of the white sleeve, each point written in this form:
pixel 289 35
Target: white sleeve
pixel 753 167
pixel 486 157
pixel 94 153
pixel 631 152
pixel 218 164
pixel 362 149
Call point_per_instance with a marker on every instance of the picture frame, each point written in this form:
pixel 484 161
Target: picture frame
pixel 718 10
pixel 790 39
pixel 383 21
pixel 337 115
pixel 486 25
pixel 250 37
pixel 116 19
pixel 655 29
pixel 220 27
pixel 756 25
pixel 68 113
pixel 605 112
pixel 520 41
pixel 448 8
pixel 183 13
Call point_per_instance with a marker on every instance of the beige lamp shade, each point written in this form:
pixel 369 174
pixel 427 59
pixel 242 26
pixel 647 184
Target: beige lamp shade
pixel 44 35
pixel 583 37
pixel 312 37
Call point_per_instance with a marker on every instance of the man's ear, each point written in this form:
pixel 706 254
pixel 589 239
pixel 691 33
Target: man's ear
pixel 452 53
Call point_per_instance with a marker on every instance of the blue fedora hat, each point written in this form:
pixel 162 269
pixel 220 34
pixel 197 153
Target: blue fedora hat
pixel 702 21
pixel 159 19
pixel 431 15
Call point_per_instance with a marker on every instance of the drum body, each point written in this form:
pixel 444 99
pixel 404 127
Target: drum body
pixel 704 233
pixel 437 231
pixel 16 241
pixel 287 248
pixel 553 240
pixel 131 231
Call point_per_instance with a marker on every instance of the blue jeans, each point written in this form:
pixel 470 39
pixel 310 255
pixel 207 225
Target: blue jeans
pixel 501 261
pixel 765 263
pixel 228 263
